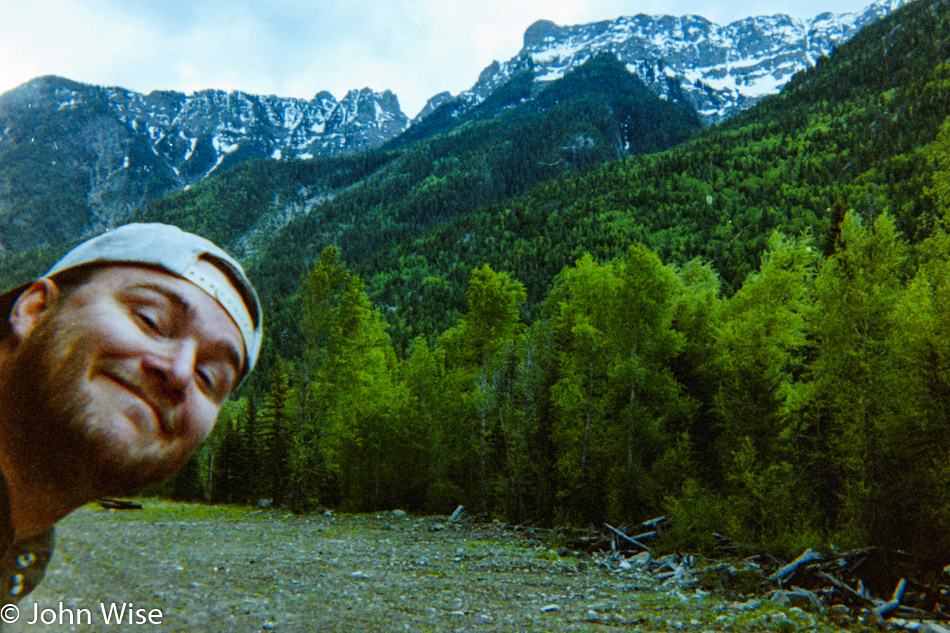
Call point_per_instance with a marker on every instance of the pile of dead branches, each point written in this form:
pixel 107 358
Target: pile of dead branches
pixel 862 582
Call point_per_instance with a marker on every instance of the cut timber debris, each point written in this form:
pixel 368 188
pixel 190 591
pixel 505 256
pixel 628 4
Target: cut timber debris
pixel 118 504
pixel 841 581
pixel 859 583
pixel 629 539
pixel 808 556
pixel 895 601
pixel 622 540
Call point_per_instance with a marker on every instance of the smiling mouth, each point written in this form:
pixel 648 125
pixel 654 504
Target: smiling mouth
pixel 165 424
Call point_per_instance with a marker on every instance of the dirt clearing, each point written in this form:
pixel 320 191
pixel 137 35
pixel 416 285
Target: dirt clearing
pixel 235 569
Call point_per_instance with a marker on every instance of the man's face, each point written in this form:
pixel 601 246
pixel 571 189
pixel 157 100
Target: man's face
pixel 122 379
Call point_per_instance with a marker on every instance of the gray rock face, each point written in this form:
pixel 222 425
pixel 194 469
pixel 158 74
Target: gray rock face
pixel 432 104
pixel 718 69
pixel 199 133
pixel 76 159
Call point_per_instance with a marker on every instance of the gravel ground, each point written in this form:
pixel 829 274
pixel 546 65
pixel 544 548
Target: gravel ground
pixel 233 569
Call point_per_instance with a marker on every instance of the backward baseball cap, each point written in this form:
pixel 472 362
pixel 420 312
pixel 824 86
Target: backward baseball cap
pixel 178 252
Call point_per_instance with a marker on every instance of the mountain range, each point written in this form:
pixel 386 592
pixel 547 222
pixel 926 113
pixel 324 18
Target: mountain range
pixel 91 155
pixel 718 69
pixel 76 159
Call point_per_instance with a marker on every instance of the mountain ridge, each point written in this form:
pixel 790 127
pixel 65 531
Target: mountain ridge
pixel 686 57
pixel 95 154
pixel 76 159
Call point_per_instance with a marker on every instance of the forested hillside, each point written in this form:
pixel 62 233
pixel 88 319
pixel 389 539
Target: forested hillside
pixel 368 205
pixel 553 314
pixel 852 133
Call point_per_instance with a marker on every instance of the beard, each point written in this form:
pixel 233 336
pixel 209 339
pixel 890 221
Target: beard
pixel 50 425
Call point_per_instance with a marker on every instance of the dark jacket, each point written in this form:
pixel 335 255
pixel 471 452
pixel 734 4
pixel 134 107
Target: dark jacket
pixel 22 565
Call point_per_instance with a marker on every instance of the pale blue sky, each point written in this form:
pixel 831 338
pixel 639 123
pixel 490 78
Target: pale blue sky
pixel 295 48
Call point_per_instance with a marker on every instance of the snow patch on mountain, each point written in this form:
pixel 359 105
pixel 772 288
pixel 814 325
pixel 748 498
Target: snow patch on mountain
pixel 196 134
pixel 718 69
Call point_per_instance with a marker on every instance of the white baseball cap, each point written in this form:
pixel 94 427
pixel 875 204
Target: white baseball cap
pixel 180 253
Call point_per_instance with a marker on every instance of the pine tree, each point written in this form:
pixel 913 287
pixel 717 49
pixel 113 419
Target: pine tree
pixel 228 462
pixel 249 485
pixel 856 292
pixel 939 188
pixel 311 477
pixel 762 353
pixel 275 419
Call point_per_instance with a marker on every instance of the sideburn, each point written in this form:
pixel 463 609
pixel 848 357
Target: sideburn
pixel 45 417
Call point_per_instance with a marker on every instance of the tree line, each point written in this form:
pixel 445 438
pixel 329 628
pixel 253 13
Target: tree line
pixel 809 407
pixel 747 332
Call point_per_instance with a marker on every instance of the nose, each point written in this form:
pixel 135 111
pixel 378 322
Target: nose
pixel 173 366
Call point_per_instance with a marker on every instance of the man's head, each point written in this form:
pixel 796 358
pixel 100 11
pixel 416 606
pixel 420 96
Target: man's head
pixel 118 359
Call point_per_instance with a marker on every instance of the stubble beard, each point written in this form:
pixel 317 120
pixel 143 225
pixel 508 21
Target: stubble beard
pixel 49 422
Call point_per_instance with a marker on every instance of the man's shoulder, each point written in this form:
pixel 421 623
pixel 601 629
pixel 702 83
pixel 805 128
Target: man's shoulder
pixel 24 565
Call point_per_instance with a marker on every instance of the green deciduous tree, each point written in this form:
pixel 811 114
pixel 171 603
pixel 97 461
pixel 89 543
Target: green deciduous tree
pixel 616 397
pixel 486 338
pixel 423 374
pixel 578 308
pixel 915 445
pixel 642 344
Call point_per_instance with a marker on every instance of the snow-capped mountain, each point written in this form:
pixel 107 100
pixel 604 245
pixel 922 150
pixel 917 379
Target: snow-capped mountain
pixel 718 69
pixel 75 158
pixel 93 154
pixel 196 134
pixel 211 125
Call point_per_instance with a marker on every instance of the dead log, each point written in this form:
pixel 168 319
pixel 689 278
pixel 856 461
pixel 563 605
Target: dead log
pixel 657 521
pixel 807 556
pixel 118 504
pixel 626 538
pixel 645 535
pixel 894 602
pixel 848 592
pixel 911 613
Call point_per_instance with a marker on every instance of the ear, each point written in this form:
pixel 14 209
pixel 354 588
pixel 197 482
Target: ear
pixel 31 306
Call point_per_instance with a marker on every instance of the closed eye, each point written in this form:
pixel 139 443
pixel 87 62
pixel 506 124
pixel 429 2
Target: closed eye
pixel 149 322
pixel 204 378
pixel 208 383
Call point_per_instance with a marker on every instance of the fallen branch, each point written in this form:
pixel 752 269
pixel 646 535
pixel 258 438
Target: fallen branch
pixel 850 592
pixel 807 556
pixel 118 504
pixel 626 538
pixel 655 522
pixel 895 600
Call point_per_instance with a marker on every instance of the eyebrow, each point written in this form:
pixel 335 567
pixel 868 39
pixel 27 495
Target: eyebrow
pixel 220 347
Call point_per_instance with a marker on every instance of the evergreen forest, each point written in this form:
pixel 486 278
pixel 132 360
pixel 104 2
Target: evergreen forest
pixel 584 307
